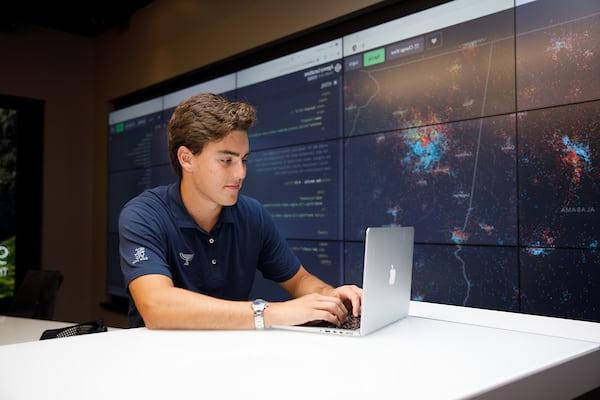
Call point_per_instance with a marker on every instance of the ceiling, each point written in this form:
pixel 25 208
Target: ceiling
pixel 84 18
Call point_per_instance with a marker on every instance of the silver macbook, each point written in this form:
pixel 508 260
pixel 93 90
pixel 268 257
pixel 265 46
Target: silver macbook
pixel 387 278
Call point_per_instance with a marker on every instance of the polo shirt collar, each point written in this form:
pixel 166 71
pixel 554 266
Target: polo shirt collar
pixel 182 216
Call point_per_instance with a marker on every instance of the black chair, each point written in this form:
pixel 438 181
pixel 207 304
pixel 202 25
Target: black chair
pixel 36 296
pixel 86 328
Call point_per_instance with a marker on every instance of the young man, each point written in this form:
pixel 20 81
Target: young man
pixel 189 251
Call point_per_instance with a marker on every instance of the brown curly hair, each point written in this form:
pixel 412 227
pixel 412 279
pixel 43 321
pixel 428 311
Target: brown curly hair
pixel 204 118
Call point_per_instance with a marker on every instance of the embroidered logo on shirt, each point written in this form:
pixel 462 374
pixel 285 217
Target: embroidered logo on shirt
pixel 187 258
pixel 139 254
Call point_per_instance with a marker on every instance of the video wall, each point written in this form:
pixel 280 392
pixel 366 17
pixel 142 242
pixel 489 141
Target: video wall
pixel 478 123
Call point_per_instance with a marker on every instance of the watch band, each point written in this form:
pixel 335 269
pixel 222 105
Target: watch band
pixel 258 306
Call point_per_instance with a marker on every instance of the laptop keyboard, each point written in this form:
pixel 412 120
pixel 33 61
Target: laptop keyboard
pixel 351 323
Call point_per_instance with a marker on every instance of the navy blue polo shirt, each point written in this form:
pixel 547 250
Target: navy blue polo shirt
pixel 158 236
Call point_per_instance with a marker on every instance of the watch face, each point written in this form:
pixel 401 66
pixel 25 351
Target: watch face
pixel 259 304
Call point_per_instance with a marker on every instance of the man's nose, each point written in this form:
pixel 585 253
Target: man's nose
pixel 240 172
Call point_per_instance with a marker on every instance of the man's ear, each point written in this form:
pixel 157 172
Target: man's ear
pixel 185 157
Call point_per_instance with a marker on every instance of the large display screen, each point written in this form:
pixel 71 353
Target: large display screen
pixel 453 73
pixel 476 122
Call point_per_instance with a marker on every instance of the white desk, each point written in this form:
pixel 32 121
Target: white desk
pixel 416 358
pixel 19 330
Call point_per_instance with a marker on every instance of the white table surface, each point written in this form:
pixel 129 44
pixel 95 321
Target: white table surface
pixel 18 330
pixel 415 358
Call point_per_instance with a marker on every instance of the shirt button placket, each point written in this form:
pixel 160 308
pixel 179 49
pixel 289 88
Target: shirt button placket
pixel 211 241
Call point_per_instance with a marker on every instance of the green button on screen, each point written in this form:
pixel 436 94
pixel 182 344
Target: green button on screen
pixel 374 57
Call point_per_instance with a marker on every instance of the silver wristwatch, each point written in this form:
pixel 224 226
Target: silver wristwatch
pixel 258 306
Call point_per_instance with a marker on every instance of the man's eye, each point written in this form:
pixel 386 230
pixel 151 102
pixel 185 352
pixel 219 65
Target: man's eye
pixel 245 161
pixel 227 161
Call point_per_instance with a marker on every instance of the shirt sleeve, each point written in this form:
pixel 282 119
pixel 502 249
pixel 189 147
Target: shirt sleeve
pixel 276 261
pixel 141 244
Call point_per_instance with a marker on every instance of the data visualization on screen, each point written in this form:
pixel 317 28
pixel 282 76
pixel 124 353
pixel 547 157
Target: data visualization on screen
pixel 455 182
pixel 561 282
pixel 558 52
pixel 136 137
pixel 472 276
pixel 297 97
pixel 476 122
pixel 294 167
pixel 559 176
pixel 301 187
pixel 394 79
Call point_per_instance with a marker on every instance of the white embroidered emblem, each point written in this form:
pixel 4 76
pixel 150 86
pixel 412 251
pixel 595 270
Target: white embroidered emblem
pixel 139 254
pixel 187 258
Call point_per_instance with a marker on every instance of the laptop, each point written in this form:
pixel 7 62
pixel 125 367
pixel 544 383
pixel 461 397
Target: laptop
pixel 387 278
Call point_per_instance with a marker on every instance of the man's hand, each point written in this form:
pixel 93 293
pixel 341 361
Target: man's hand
pixel 311 307
pixel 328 306
pixel 349 295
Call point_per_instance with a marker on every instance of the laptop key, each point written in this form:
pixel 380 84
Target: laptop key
pixel 351 322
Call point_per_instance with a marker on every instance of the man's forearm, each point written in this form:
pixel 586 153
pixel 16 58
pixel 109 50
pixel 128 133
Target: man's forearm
pixel 311 284
pixel 175 308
